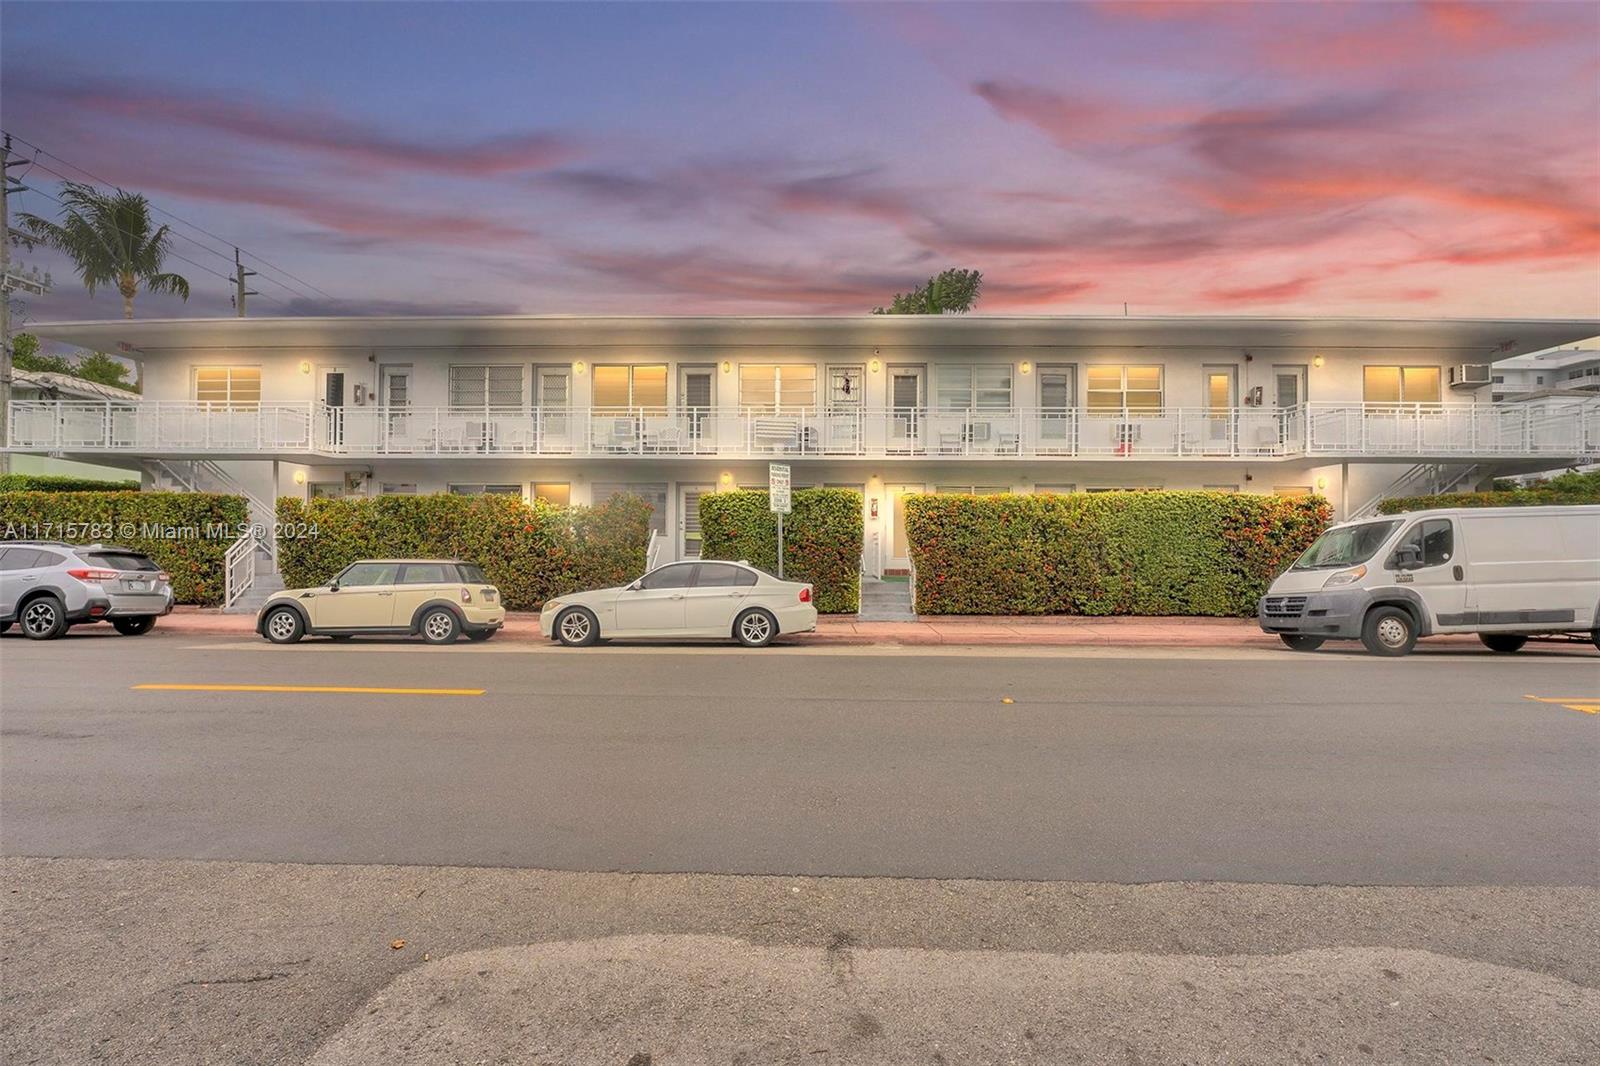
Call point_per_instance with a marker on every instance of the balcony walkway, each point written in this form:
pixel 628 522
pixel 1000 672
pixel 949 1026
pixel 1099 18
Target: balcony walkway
pixel 1564 429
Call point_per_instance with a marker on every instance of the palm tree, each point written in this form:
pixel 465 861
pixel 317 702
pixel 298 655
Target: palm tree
pixel 109 240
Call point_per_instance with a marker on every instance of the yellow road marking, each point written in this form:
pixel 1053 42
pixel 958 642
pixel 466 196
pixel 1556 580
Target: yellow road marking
pixel 314 688
pixel 1586 704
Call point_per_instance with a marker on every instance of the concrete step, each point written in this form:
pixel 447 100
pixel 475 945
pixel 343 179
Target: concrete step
pixel 886 601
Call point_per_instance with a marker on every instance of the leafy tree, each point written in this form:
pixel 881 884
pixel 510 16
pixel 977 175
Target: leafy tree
pixel 25 356
pixel 102 368
pixel 111 241
pixel 950 292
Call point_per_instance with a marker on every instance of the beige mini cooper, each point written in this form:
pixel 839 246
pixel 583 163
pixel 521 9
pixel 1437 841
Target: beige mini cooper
pixel 437 599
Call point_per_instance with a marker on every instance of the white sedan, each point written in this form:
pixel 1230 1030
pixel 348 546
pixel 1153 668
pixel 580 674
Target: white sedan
pixel 688 599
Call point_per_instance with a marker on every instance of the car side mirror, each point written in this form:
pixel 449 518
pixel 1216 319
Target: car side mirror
pixel 632 587
pixel 1407 558
pixel 333 586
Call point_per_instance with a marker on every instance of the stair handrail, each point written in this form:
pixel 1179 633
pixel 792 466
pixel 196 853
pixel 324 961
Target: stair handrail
pixel 238 568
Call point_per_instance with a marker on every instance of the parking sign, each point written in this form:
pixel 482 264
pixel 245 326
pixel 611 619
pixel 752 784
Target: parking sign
pixel 778 487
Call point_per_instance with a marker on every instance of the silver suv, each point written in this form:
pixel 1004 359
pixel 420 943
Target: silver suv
pixel 47 586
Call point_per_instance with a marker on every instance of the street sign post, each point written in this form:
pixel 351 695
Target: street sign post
pixel 778 501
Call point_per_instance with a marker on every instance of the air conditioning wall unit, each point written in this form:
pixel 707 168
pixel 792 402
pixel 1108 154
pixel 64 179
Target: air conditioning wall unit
pixel 1469 376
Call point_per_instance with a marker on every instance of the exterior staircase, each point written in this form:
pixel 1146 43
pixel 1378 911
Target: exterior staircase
pixel 886 601
pixel 265 585
pixel 1424 479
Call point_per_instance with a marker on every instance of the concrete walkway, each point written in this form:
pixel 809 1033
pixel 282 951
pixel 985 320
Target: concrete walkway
pixel 954 631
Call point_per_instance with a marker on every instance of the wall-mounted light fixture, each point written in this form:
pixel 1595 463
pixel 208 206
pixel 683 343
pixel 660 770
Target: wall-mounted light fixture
pixel 727 478
pixel 579 367
pixel 299 477
pixel 1322 484
pixel 305 366
pixel 875 366
pixel 727 366
pixel 1026 367
pixel 1317 362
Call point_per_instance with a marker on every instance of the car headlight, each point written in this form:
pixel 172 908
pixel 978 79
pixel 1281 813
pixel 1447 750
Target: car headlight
pixel 1345 577
pixel 551 605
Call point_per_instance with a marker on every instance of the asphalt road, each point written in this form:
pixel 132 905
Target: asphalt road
pixel 1350 859
pixel 1205 766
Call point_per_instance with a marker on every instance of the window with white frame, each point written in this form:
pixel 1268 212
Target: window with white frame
pixel 846 385
pixel 481 489
pixel 398 488
pixel 1400 384
pixel 485 386
pixel 233 385
pixel 777 385
pixel 971 490
pixel 631 386
pixel 555 492
pixel 1112 387
pixel 977 387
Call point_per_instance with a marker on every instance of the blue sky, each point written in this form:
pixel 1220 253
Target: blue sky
pixel 1416 159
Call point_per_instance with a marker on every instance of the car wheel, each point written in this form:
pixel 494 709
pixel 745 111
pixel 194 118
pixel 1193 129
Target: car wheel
pixel 577 627
pixel 1503 642
pixel 283 626
pixel 439 626
pixel 480 635
pixel 44 619
pixel 1302 641
pixel 1389 631
pixel 755 628
pixel 136 626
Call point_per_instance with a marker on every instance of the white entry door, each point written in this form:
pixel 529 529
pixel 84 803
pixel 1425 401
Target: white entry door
pixel 899 554
pixel 907 395
pixel 689 519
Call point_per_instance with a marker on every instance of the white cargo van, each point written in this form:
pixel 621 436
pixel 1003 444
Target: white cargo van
pixel 1500 572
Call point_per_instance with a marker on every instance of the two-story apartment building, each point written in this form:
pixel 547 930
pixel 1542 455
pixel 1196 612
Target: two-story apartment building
pixel 575 409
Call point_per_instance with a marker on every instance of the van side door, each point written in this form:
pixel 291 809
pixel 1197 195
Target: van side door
pixel 1426 560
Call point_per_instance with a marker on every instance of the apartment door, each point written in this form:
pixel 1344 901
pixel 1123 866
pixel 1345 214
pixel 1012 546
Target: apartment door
pixel 1058 394
pixel 553 399
pixel 1288 394
pixel 394 393
pixel 1221 384
pixel 899 556
pixel 908 393
pixel 333 395
pixel 689 519
pixel 695 391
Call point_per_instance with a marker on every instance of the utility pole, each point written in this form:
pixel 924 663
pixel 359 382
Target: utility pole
pixel 239 274
pixel 30 281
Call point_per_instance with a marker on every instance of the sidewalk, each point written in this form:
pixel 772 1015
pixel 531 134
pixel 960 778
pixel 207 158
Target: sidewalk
pixel 845 630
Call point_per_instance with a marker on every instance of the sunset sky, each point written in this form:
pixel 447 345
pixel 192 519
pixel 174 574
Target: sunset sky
pixel 1419 160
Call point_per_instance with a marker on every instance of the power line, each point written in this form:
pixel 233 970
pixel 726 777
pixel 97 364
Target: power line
pixel 183 221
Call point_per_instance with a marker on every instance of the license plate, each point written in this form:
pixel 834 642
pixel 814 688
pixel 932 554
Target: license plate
pixel 137 586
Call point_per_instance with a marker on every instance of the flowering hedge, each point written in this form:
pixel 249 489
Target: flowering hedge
pixel 1565 488
pixel 186 533
pixel 530 551
pixel 822 538
pixel 1131 553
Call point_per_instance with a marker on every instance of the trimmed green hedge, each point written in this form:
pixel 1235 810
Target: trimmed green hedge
pixel 1113 553
pixel 62 483
pixel 186 533
pixel 531 552
pixel 1566 488
pixel 822 538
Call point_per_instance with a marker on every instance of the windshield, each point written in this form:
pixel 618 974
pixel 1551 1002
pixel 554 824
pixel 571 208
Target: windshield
pixel 1346 546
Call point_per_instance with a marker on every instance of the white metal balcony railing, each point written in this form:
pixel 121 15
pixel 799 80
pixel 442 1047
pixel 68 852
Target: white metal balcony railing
pixel 1555 428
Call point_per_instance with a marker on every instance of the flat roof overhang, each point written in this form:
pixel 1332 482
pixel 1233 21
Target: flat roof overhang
pixel 1474 340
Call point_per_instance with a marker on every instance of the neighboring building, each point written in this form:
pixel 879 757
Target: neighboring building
pixel 575 409
pixel 1557 371
pixel 48 385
